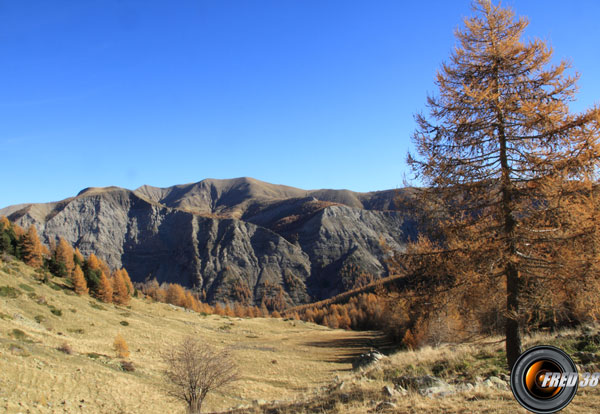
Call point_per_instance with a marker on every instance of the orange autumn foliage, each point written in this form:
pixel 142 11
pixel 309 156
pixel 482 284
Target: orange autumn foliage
pixel 32 248
pixel 105 289
pixel 120 291
pixel 64 254
pixel 79 282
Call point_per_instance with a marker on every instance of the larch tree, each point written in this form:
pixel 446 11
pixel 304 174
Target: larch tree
pixel 64 254
pixel 104 267
pixel 78 257
pixel 120 291
pixel 93 263
pixel 127 281
pixel 32 248
pixel 175 294
pixel 79 283
pixel 4 223
pixel 105 289
pixel 91 271
pixel 7 236
pixel 508 170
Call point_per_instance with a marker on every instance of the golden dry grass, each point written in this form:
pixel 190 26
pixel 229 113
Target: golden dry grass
pixel 289 365
pixel 278 359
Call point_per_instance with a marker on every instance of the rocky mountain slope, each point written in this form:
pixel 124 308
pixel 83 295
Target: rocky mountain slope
pixel 239 239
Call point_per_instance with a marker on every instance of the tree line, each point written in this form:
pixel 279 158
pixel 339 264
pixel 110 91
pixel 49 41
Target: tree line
pixel 91 275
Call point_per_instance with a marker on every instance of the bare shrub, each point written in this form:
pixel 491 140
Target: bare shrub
pixel 194 369
pixel 127 366
pixel 66 348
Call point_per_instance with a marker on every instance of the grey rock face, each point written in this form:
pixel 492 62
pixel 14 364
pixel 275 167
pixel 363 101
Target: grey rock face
pixel 343 241
pixel 238 240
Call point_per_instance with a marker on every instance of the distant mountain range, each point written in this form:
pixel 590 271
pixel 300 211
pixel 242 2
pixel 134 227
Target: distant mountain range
pixel 238 240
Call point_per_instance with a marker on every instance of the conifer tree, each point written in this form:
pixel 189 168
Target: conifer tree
pixel 127 280
pixel 175 294
pixel 32 248
pixel 508 171
pixel 104 267
pixel 79 282
pixel 64 254
pixel 120 292
pixel 78 257
pixel 105 290
pixel 19 231
pixel 93 263
pixel 8 239
pixel 91 271
pixel 191 302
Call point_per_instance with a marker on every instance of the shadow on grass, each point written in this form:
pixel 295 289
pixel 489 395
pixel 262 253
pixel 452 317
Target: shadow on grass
pixel 351 346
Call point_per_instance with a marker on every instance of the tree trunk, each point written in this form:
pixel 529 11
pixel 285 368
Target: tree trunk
pixel 513 326
pixel 195 406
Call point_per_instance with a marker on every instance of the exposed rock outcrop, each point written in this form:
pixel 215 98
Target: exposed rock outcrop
pixel 238 240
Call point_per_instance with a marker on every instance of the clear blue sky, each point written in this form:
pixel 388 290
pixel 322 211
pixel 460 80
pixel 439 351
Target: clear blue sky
pixel 308 93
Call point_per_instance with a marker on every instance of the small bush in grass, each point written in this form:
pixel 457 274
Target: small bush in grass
pixel 5 316
pixel 55 311
pixel 9 292
pixel 18 334
pixel 124 323
pixel 39 318
pixel 121 347
pixel 66 348
pixel 127 366
pixel 93 355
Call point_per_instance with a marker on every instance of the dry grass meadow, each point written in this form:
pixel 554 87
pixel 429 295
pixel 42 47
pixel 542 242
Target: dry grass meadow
pixel 286 366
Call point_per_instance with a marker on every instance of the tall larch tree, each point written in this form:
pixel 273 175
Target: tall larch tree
pixel 120 291
pixel 105 289
pixel 507 169
pixel 64 254
pixel 127 281
pixel 79 283
pixel 32 248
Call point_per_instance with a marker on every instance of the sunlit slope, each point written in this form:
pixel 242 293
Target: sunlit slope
pixel 278 359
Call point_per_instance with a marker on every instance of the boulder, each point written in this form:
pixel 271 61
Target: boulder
pixel 367 359
pixel 426 385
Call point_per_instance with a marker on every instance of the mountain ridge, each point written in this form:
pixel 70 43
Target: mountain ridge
pixel 237 240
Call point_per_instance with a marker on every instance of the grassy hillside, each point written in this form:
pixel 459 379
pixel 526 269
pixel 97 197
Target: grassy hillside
pixel 278 359
pixel 286 366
